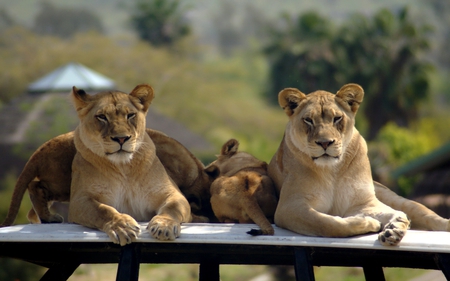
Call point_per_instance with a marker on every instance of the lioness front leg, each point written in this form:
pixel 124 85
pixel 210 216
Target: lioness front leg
pixel 309 221
pixel 166 225
pixel 121 228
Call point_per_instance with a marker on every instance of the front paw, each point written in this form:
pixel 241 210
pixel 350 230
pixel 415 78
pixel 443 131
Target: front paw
pixel 54 218
pixel 164 228
pixel 122 229
pixel 393 232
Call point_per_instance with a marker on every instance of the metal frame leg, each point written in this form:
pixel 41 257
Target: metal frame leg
pixel 61 272
pixel 373 273
pixel 128 269
pixel 443 262
pixel 209 270
pixel 304 270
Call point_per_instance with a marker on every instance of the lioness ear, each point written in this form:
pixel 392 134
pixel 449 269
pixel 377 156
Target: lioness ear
pixel 144 93
pixel 80 98
pixel 289 99
pixel 351 94
pixel 230 147
pixel 212 171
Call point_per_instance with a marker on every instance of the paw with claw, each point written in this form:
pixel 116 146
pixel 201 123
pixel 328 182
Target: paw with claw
pixel 163 228
pixel 122 229
pixel 393 231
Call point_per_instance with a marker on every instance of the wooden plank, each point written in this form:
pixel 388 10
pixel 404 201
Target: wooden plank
pixel 420 241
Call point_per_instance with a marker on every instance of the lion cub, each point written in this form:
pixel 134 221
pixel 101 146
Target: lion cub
pixel 117 179
pixel 47 177
pixel 243 192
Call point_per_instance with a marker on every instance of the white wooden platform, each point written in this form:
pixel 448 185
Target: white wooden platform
pixel 422 241
pixel 63 247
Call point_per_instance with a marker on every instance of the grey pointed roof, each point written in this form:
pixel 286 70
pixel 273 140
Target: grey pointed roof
pixel 72 74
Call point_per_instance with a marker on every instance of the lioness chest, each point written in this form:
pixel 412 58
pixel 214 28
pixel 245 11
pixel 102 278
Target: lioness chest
pixel 128 189
pixel 129 198
pixel 339 197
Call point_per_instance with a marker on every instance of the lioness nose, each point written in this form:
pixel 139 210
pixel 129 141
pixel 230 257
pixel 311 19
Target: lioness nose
pixel 325 143
pixel 121 140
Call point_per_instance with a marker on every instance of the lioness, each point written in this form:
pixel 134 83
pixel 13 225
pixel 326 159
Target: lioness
pixel 243 192
pixel 116 175
pixel 48 173
pixel 322 172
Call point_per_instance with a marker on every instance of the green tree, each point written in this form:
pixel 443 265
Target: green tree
pixel 159 22
pixel 65 22
pixel 384 54
pixel 300 55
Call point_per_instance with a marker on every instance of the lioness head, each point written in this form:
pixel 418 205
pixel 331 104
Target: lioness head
pixel 112 123
pixel 321 124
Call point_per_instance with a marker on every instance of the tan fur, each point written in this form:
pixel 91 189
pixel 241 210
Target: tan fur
pixel 187 171
pixel 421 217
pixel 47 176
pixel 117 179
pixel 322 172
pixel 243 192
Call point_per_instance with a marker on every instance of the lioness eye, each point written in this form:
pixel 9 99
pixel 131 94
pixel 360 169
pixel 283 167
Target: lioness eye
pixel 102 117
pixel 308 121
pixel 131 115
pixel 337 119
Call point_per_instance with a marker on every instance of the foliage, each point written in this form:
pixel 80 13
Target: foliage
pixel 300 55
pixel 159 22
pixel 442 11
pixel 6 190
pixel 357 274
pixel 65 22
pixel 57 117
pixel 389 65
pixel 395 146
pixel 382 53
pixel 217 98
pixel 404 144
pixel 11 269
